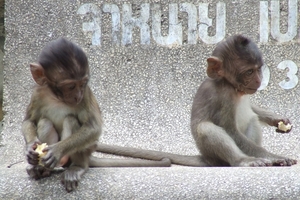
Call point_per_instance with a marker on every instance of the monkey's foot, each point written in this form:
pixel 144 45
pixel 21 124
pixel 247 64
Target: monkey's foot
pixel 37 171
pixel 70 178
pixel 283 161
pixel 254 162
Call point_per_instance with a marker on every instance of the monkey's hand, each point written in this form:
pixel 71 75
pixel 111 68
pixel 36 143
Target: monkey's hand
pixel 283 125
pixel 52 157
pixel 32 156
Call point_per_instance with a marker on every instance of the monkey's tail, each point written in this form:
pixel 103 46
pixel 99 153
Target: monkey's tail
pixel 111 162
pixel 193 161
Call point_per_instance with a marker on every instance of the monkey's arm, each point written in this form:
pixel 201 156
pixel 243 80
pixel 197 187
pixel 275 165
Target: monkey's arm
pixel 30 136
pixel 29 125
pixel 82 139
pixel 269 117
pixel 29 131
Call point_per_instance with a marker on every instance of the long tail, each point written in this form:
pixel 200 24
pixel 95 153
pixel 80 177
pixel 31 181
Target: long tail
pixel 195 161
pixel 111 162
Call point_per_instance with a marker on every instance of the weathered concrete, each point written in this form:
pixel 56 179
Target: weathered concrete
pixel 145 88
pixel 160 183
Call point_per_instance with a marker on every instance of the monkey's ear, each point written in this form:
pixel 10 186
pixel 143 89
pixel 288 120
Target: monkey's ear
pixel 37 73
pixel 214 67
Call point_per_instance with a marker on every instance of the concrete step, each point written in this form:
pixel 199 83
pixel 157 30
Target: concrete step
pixel 159 183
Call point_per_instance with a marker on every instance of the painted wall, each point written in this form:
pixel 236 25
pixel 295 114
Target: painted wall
pixel 148 58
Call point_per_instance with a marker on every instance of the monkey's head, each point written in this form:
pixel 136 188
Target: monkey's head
pixel 238 61
pixel 63 67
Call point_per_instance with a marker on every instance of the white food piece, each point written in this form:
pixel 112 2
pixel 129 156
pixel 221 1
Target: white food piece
pixel 283 127
pixel 39 150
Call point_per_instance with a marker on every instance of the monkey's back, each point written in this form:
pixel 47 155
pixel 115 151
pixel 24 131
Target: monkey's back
pixel 212 103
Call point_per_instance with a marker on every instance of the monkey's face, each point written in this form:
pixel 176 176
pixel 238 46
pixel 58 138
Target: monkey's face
pixel 249 78
pixel 71 91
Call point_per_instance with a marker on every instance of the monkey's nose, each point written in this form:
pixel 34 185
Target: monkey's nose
pixel 78 99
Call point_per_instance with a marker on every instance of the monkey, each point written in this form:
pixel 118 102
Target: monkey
pixel 64 113
pixel 224 124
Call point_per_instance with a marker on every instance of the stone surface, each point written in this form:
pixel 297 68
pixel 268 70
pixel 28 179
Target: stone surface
pixel 145 92
pixel 159 183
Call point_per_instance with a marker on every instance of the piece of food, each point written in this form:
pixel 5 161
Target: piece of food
pixel 284 127
pixel 39 150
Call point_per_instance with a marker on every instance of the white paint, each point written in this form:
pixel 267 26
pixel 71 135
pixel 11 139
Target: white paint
pixel 206 22
pixel 293 79
pixel 95 25
pixel 175 29
pixel 266 77
pixel 115 20
pixel 275 21
pixel 191 10
pixel 128 22
pixel 292 21
pixel 122 27
pixel 174 36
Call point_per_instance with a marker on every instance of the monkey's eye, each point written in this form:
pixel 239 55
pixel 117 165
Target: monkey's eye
pixel 71 87
pixel 249 72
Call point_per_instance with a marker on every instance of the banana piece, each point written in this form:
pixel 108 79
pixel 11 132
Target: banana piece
pixel 283 127
pixel 39 150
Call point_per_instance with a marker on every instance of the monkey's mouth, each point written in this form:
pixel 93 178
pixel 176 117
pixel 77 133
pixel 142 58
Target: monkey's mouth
pixel 250 90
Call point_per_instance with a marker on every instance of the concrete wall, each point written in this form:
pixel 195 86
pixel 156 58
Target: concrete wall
pixel 147 59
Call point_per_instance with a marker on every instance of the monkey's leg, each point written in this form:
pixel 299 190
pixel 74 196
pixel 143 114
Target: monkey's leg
pixel 70 125
pixel 72 175
pixel 79 160
pixel 46 134
pixel 218 147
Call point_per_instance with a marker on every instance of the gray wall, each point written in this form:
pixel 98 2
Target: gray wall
pixel 147 59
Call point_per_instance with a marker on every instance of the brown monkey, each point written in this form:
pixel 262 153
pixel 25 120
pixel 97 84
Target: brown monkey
pixel 224 124
pixel 64 113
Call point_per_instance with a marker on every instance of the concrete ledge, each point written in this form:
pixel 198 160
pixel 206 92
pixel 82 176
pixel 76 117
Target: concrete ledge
pixel 145 92
pixel 159 183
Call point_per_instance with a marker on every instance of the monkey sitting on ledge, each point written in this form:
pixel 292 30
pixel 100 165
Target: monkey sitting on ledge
pixel 224 124
pixel 64 113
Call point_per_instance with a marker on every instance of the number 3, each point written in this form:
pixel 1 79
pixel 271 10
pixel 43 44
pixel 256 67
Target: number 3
pixel 293 79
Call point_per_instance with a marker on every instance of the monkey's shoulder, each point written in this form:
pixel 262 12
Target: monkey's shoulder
pixel 212 88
